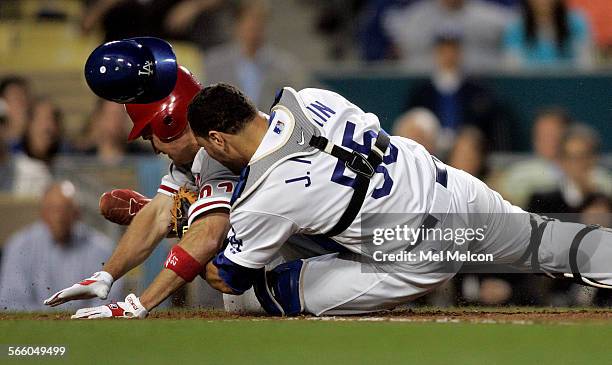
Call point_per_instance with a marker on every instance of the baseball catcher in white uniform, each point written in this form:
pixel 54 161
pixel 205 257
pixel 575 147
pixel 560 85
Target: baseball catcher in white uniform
pixel 322 171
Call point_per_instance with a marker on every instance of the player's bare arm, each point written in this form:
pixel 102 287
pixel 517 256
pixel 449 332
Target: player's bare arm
pixel 145 232
pixel 148 227
pixel 201 242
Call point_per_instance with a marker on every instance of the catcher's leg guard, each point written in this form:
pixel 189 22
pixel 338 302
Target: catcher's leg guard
pixel 573 260
pixel 278 290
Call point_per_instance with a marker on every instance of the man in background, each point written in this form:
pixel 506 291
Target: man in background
pixel 581 177
pixel 51 252
pixel 457 99
pixel 106 134
pixel 421 126
pixel 540 172
pixel 16 101
pixel 250 62
pixel 412 30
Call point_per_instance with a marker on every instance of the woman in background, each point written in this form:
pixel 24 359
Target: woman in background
pixel 549 34
pixel 39 146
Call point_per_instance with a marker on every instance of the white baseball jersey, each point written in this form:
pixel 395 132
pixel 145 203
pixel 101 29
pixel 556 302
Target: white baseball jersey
pixel 308 195
pixel 213 182
pixel 283 204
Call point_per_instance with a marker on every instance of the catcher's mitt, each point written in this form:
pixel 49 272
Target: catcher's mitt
pixel 182 201
pixel 121 205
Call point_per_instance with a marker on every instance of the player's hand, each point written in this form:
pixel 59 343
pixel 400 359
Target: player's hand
pixel 121 205
pixel 98 285
pixel 131 308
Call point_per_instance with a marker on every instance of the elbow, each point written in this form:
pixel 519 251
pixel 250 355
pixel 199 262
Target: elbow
pixel 163 223
pixel 214 279
pixel 154 218
pixel 211 246
pixel 226 290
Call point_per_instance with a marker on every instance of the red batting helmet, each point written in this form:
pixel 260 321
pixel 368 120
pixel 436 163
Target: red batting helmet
pixel 166 118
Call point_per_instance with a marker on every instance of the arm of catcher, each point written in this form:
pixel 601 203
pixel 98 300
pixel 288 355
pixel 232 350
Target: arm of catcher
pixel 202 241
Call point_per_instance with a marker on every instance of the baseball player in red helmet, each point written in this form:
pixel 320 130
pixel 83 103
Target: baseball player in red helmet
pixel 164 124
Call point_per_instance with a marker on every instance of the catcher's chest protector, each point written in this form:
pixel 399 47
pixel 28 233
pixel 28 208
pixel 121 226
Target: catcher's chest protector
pixel 293 134
pixel 289 121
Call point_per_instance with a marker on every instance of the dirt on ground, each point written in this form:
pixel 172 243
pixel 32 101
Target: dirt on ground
pixel 467 315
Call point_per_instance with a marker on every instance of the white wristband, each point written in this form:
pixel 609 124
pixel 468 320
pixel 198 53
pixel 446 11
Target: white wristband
pixel 103 276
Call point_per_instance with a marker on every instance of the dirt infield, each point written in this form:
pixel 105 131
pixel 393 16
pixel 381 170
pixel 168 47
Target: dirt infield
pixel 516 315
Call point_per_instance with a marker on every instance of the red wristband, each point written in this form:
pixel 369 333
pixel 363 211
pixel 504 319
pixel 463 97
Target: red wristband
pixel 181 262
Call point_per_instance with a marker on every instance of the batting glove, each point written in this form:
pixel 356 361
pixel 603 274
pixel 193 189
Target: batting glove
pixel 98 285
pixel 131 308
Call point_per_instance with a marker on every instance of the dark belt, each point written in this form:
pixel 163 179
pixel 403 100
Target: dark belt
pixel 441 173
pixel 430 221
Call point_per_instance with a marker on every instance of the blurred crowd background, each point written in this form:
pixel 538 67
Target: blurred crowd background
pixel 515 92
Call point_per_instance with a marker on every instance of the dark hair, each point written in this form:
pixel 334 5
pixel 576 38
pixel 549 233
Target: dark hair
pixel 560 21
pixel 12 80
pixel 54 148
pixel 242 7
pixel 595 198
pixel 482 146
pixel 220 107
pixel 557 112
pixel 583 132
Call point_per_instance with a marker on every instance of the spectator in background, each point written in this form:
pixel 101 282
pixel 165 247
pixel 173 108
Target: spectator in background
pixel 581 176
pixel 413 31
pixel 505 2
pixel 336 22
pixel 421 126
pixel 5 162
pixel 548 34
pixel 4 148
pixel 118 18
pixel 541 172
pixel 597 209
pixel 206 23
pixel 469 153
pixel 249 62
pixel 15 97
pixel 35 153
pixel 106 134
pixel 56 250
pixel 203 22
pixel 598 13
pixel 458 100
pixel 374 41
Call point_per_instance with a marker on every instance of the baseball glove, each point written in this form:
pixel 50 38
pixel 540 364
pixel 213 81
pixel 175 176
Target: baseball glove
pixel 121 205
pixel 182 201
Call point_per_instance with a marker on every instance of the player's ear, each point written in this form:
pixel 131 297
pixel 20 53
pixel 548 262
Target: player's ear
pixel 216 138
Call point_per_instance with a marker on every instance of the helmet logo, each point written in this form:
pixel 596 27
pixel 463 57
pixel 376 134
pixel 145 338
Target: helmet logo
pixel 147 69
